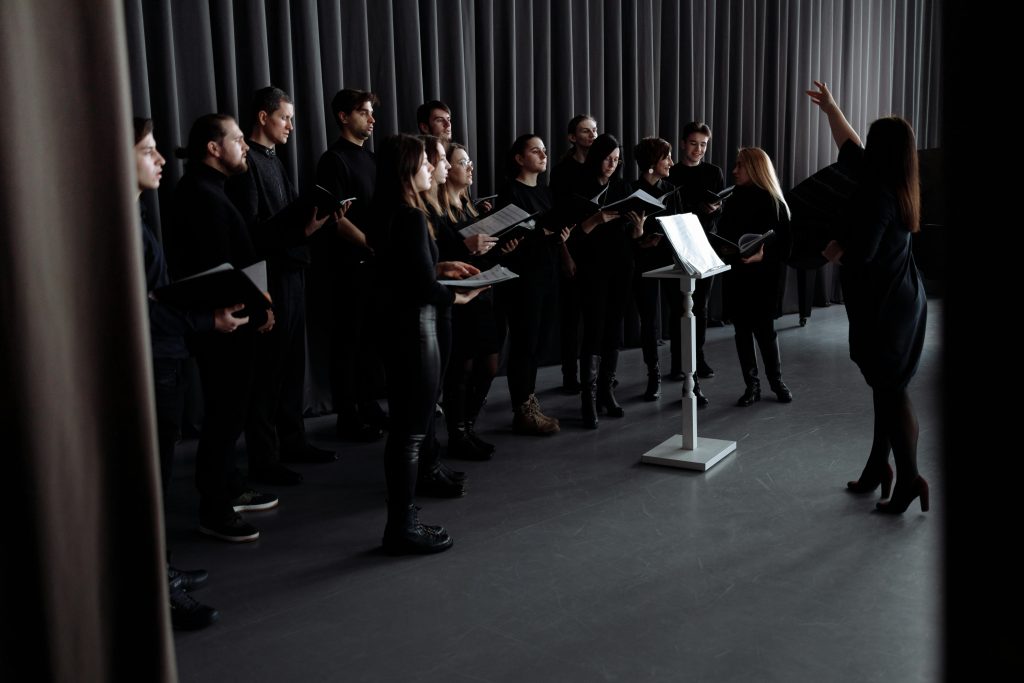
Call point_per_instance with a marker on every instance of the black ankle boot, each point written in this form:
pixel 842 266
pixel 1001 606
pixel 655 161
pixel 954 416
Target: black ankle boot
pixel 653 392
pixel 753 393
pixel 404 535
pixel 782 392
pixel 482 445
pixel 462 446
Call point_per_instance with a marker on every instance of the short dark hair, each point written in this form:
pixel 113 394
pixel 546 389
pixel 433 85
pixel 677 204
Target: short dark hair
pixel 604 144
pixel 143 127
pixel 348 100
pixel 696 127
pixel 650 151
pixel 423 111
pixel 207 128
pixel 267 99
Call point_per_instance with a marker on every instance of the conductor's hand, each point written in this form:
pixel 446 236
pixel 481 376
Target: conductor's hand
pixel 465 296
pixel 223 321
pixel 456 270
pixel 480 244
pixel 755 258
pixel 822 97
pixel 833 252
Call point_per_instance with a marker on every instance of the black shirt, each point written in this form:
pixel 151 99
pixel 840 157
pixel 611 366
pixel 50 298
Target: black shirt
pixel 349 170
pixel 695 180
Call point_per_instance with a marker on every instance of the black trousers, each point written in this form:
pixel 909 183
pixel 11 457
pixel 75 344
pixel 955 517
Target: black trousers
pixel 761 328
pixel 521 304
pixel 169 386
pixel 604 295
pixel 569 319
pixel 226 371
pixel 355 359
pixel 413 365
pixel 275 423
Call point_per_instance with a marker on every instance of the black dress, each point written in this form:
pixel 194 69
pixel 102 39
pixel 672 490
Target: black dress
pixel 885 298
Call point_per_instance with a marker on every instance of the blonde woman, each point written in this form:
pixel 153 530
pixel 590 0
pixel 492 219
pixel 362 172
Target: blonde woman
pixel 751 288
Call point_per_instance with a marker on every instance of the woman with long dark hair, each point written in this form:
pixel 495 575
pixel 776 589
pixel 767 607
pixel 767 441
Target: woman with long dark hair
pixel 751 289
pixel 885 298
pixel 409 267
pixel 603 252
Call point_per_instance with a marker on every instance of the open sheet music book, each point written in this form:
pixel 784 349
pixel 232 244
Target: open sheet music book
pixel 690 246
pixel 496 222
pixel 491 276
pixel 218 287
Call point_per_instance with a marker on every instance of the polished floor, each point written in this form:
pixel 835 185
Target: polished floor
pixel 574 562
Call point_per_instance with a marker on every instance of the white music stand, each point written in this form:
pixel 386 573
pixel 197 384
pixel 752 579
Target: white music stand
pixel 696 259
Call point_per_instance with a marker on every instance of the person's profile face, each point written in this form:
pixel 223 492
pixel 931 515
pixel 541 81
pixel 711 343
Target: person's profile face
pixel 586 133
pixel 442 168
pixel 440 125
pixel 695 146
pixel 279 125
pixel 149 163
pixel 233 150
pixel 610 163
pixel 424 176
pixel 740 175
pixel 461 172
pixel 663 166
pixel 359 122
pixel 534 158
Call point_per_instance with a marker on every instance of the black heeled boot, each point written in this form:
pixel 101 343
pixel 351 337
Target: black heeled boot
pixel 589 367
pixel 404 534
pixel 702 400
pixel 653 391
pixel 435 480
pixel 605 382
pixel 462 446
pixel 773 370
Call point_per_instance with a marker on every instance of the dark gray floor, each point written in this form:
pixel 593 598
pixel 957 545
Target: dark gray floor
pixel 573 562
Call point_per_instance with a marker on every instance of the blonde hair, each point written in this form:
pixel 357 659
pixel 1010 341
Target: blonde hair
pixel 758 165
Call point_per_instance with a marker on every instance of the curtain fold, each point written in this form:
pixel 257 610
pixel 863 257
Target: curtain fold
pixel 84 568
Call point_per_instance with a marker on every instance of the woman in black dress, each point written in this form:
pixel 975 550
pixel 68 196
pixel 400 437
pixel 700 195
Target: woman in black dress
pixel 525 302
pixel 474 359
pixel 654 156
pixel 885 298
pixel 409 267
pixel 751 289
pixel 603 251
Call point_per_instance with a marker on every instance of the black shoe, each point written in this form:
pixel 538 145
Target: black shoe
pixel 803 321
pixel 437 485
pixel 359 431
pixel 188 614
pixel 455 475
pixel 232 529
pixel 475 438
pixel 274 474
pixel 653 391
pixel 704 370
pixel 676 376
pixel 188 579
pixel 752 393
pixel 254 500
pixel 421 539
pixel 311 455
pixel 570 385
pixel 782 392
pixel 463 448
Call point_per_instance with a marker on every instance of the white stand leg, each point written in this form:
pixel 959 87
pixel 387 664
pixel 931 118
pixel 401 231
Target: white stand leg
pixel 686 450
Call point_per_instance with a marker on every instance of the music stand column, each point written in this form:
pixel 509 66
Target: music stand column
pixel 687 450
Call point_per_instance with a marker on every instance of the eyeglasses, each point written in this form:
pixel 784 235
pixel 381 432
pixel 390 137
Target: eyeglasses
pixel 465 163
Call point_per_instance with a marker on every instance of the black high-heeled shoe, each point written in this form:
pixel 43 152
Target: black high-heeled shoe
pixel 868 484
pixel 900 501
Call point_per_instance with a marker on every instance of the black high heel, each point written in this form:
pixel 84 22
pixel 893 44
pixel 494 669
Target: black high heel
pixel 898 504
pixel 867 485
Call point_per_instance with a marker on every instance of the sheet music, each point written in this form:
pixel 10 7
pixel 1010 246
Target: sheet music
pixel 691 245
pixel 487 277
pixel 496 221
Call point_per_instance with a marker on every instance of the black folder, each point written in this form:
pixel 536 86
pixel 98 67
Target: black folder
pixel 216 288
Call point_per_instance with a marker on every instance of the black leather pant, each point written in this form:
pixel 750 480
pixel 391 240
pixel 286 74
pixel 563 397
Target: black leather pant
pixel 413 366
